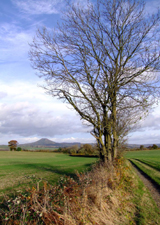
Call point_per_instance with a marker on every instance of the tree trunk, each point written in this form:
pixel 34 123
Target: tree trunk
pixel 109 147
pixel 107 136
pixel 114 128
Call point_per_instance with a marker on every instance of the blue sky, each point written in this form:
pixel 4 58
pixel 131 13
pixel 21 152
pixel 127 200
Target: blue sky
pixel 26 112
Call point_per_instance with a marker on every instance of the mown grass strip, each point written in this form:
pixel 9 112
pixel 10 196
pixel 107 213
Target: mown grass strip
pixel 152 173
pixel 153 164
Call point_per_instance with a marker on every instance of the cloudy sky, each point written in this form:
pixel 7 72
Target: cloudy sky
pixel 26 112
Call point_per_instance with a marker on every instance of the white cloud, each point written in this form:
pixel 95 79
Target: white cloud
pixel 39 6
pixel 27 112
pixel 76 139
pixel 28 120
pixel 150 122
pixel 148 131
pixel 2 94
pixel 147 137
pixel 22 91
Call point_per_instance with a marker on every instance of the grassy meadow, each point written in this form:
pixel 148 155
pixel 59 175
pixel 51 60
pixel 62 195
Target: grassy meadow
pixel 153 155
pixel 148 161
pixel 19 170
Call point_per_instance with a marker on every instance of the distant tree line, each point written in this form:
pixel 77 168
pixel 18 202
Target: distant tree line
pixel 154 146
pixel 84 149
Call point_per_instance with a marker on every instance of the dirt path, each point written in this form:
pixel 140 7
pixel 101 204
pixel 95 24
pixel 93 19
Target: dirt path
pixel 152 186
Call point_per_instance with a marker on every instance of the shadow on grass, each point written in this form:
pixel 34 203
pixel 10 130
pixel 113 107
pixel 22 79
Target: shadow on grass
pixel 60 170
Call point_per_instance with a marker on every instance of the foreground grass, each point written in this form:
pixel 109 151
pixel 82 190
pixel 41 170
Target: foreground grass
pixel 111 195
pixel 19 170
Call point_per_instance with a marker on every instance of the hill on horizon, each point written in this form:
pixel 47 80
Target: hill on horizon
pixel 45 142
pixel 42 142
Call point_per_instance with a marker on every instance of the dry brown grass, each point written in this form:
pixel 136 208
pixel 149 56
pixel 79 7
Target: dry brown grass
pixel 103 200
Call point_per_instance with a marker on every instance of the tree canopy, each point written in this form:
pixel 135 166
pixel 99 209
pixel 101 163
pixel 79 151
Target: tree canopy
pixel 104 61
pixel 13 145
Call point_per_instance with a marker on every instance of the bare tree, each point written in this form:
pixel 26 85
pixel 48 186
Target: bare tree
pixel 103 60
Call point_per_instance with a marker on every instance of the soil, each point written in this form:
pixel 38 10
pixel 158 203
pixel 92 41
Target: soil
pixel 152 186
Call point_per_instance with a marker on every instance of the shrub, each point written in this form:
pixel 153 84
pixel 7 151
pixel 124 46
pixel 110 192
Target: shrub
pixel 141 147
pixel 19 149
pixel 154 146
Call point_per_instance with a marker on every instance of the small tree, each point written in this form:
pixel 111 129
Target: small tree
pixel 13 145
pixel 141 147
pixel 88 148
pixel 154 146
pixel 74 148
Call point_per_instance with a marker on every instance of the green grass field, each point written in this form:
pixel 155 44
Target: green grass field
pixel 19 170
pixel 153 155
pixel 147 161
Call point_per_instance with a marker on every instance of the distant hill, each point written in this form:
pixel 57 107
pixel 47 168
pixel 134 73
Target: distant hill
pixel 4 148
pixel 137 146
pixel 44 142
pixel 41 142
pixel 133 146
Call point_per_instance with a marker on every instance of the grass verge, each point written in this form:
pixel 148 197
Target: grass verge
pixel 147 211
